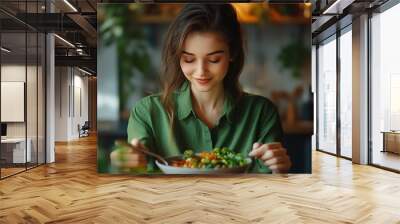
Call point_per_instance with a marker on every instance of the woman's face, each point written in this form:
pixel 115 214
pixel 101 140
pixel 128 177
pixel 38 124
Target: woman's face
pixel 205 60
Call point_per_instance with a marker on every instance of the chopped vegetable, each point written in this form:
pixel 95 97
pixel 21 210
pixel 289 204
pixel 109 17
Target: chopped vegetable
pixel 217 158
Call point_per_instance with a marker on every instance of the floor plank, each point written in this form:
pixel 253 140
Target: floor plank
pixel 71 191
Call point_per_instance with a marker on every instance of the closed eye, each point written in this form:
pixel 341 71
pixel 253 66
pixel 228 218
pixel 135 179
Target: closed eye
pixel 214 61
pixel 188 61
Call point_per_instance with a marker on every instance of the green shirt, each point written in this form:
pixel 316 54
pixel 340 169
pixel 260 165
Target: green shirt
pixel 252 119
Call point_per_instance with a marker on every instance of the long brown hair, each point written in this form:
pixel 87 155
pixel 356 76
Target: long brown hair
pixel 220 18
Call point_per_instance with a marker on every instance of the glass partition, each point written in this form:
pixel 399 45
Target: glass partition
pixel 22 91
pixel 13 107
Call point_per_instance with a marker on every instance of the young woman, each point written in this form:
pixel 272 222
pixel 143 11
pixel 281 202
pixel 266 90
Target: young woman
pixel 202 105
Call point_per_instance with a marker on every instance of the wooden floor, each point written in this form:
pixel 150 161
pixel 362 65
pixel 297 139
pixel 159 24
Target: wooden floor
pixel 10 171
pixel 70 191
pixel 5 172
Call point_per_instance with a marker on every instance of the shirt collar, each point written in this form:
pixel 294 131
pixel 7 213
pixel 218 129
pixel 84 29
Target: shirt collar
pixel 185 107
pixel 183 101
pixel 229 105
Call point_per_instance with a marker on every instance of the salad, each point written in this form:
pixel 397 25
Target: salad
pixel 215 159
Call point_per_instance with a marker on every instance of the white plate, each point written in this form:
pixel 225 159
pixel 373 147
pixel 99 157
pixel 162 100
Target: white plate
pixel 183 170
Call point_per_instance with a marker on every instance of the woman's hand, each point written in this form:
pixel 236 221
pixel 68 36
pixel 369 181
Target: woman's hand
pixel 129 158
pixel 273 155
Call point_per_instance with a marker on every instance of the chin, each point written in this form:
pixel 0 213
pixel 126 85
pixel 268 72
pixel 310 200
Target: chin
pixel 203 88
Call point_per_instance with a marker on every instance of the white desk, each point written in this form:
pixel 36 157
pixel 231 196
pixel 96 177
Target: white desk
pixel 19 149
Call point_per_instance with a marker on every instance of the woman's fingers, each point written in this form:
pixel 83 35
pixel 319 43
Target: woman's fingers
pixel 135 142
pixel 268 154
pixel 129 163
pixel 256 145
pixel 258 152
pixel 273 156
pixel 276 160
pixel 260 149
pixel 134 163
pixel 129 158
pixel 279 164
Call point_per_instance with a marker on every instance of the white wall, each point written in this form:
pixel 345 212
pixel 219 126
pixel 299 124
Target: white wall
pixel 61 103
pixel 79 117
pixel 70 83
pixel 33 126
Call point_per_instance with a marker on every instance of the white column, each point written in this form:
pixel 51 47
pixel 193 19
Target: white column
pixel 50 94
pixel 360 90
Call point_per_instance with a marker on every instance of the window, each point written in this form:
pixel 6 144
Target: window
pixel 327 96
pixel 346 93
pixel 385 88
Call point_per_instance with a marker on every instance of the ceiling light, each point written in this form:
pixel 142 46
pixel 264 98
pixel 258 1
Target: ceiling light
pixel 337 7
pixel 84 71
pixel 5 50
pixel 65 41
pixel 70 5
pixel 333 6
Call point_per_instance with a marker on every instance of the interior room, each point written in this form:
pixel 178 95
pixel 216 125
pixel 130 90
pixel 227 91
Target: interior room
pixel 52 109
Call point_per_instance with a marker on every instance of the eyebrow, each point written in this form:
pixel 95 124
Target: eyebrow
pixel 212 53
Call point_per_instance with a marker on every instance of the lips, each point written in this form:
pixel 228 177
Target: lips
pixel 203 81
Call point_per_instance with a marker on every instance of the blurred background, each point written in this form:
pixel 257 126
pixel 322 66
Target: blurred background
pixel 277 66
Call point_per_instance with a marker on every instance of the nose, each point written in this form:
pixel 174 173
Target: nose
pixel 201 68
